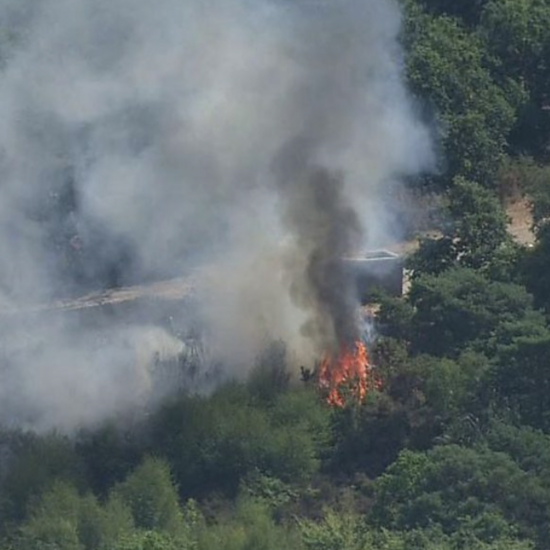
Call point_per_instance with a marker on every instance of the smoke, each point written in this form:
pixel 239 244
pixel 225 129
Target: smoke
pixel 95 375
pixel 252 142
pixel 327 229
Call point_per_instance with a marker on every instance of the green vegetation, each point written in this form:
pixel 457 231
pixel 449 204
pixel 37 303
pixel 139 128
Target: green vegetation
pixel 452 453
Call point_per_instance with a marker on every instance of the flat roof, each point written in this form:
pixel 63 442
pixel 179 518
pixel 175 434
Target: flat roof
pixel 374 255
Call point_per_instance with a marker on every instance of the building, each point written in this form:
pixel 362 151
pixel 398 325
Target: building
pixel 377 270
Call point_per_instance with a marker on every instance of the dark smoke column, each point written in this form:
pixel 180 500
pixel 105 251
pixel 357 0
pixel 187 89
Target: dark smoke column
pixel 325 229
pixel 339 54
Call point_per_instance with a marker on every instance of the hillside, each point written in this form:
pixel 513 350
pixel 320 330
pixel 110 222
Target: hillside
pixel 142 140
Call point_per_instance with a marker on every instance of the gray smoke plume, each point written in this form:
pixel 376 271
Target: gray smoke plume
pixel 251 143
pixel 327 228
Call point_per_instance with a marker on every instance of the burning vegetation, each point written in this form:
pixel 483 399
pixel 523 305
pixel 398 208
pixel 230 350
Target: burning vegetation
pixel 328 229
pixel 348 374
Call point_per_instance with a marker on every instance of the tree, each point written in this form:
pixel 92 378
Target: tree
pixel 151 495
pixel 521 379
pixel 368 438
pixel 535 268
pixel 36 463
pixel 469 11
pixel 53 523
pixel 474 232
pixel 152 540
pixel 517 34
pixel 528 447
pixel 63 519
pixel 269 377
pixel 460 308
pixel 213 443
pixel 479 224
pixel 446 386
pixel 109 454
pixel 99 527
pixel 337 531
pixel 448 67
pixel 394 318
pixel 251 528
pixel 475 491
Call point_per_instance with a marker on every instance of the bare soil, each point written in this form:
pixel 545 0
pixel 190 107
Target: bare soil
pixel 520 227
pixel 521 221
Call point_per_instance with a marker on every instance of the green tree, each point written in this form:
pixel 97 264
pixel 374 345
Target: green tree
pixel 61 518
pixel 37 462
pixel 517 34
pixel 152 540
pixel 475 230
pixel 448 67
pixel 474 491
pixel 213 443
pixel 109 453
pixel 460 308
pixel 368 438
pixel 469 11
pixel 337 531
pixel 269 377
pixel 53 523
pixel 394 318
pixel 528 447
pixel 151 495
pixel 251 528
pixel 535 267
pixel 479 224
pixel 521 379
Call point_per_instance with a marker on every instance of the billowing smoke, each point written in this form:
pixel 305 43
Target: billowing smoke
pixel 253 143
pixel 327 229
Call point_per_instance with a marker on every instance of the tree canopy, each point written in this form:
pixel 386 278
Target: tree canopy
pixel 450 450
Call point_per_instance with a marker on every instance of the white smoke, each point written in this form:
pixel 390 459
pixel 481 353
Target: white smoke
pixel 154 128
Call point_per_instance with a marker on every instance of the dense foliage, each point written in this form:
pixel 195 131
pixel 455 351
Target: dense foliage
pixel 452 453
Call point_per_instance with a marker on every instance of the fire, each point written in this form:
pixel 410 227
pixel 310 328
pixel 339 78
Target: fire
pixel 350 369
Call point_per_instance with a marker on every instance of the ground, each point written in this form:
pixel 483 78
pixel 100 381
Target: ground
pixel 521 221
pixel 520 228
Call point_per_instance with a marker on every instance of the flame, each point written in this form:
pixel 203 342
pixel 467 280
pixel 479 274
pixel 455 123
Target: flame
pixel 350 369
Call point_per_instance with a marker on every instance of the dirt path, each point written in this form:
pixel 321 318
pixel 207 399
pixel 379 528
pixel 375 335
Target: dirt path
pixel 521 221
pixel 519 227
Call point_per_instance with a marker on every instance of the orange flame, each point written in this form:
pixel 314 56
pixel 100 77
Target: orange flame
pixel 351 369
